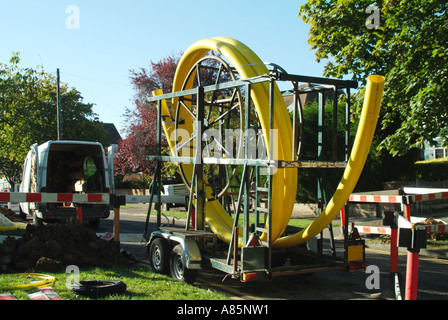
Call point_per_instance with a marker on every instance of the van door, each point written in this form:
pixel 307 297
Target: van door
pixel 110 168
pixel 30 177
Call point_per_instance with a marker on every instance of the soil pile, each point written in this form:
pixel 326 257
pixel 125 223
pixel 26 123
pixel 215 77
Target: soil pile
pixel 53 247
pixel 8 213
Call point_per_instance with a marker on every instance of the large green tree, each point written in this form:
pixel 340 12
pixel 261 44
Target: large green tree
pixel 407 42
pixel 28 100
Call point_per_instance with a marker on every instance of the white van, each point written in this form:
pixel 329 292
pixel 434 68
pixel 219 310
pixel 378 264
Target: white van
pixel 66 167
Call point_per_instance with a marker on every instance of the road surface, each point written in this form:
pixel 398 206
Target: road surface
pixel 335 285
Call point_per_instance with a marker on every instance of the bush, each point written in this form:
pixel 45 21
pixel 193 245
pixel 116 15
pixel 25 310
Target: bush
pixel 432 170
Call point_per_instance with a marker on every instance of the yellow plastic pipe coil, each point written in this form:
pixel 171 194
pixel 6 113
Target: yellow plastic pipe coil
pixel 45 281
pixel 284 188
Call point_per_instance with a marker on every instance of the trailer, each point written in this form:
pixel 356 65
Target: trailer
pixel 239 150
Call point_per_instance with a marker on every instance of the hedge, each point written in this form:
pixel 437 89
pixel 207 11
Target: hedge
pixel 432 170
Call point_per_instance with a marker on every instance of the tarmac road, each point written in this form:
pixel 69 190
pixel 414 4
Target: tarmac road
pixel 334 285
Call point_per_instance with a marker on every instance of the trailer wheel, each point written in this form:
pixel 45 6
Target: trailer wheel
pixel 178 268
pixel 159 255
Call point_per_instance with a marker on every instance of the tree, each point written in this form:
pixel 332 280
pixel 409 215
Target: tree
pixel 141 138
pixel 407 42
pixel 28 114
pixel 141 134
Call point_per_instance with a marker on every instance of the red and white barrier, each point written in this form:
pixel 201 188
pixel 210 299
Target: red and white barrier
pixel 375 198
pixel 411 195
pixel 16 197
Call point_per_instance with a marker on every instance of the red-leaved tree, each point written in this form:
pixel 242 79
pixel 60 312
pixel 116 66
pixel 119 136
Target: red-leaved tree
pixel 141 130
pixel 141 123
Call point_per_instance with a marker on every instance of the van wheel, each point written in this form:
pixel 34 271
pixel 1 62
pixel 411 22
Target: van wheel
pixel 159 252
pixel 178 267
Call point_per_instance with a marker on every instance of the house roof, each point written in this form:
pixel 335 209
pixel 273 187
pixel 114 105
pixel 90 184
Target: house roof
pixel 113 134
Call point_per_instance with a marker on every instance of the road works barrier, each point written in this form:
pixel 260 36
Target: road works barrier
pixel 78 199
pixel 404 230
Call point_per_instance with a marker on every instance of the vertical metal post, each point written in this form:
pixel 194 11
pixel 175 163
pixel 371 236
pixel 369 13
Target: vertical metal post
pixel 320 125
pixel 271 169
pixel 295 136
pixel 335 125
pixel 191 211
pixel 235 251
pixel 158 183
pixel 237 213
pixel 246 156
pixel 320 156
pixel 59 105
pixel 200 191
pixel 347 124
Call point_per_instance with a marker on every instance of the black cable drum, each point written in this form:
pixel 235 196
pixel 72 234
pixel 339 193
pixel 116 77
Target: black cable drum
pixel 98 288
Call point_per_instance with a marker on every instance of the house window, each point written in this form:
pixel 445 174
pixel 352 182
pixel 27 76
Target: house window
pixel 441 152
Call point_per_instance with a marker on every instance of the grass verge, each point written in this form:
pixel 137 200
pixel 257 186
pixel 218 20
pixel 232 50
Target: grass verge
pixel 142 284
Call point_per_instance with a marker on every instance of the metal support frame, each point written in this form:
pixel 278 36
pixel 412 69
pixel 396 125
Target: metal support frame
pixel 198 188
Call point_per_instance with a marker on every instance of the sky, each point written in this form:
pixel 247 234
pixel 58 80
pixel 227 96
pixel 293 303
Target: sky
pixel 96 43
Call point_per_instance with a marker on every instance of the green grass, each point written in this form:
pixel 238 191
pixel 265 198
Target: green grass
pixel 142 284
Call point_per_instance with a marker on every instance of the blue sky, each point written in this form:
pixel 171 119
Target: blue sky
pixel 113 37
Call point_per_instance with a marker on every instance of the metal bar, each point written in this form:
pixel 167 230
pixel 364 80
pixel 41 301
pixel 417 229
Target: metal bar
pixel 212 160
pixel 347 124
pixel 237 213
pixel 311 164
pixel 335 125
pixel 148 213
pixel 220 86
pixel 246 156
pixel 254 80
pixel 271 150
pixel 294 122
pixel 319 80
pixel 200 191
pixel 320 155
pixel 190 200
pixel 235 250
pixel 157 176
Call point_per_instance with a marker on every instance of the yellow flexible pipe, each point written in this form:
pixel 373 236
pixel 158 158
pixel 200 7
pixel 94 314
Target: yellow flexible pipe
pixel 358 156
pixel 284 188
pixel 248 65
